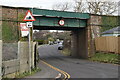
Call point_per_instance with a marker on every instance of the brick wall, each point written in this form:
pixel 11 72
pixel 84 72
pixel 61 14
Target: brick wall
pixel 93 31
pixel 11 20
pixel 95 20
pixel 10 32
pixel 9 13
pixel 95 25
pixel 0 13
pixel 10 24
pixel 0 22
pixel 21 14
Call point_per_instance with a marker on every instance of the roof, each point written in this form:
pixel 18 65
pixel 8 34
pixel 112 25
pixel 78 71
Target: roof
pixel 111 31
pixel 63 14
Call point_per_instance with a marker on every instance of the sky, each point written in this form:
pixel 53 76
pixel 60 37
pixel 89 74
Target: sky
pixel 44 4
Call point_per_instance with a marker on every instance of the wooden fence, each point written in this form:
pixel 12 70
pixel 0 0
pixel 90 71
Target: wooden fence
pixel 108 44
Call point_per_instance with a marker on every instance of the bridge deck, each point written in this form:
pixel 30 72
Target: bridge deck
pixel 52 17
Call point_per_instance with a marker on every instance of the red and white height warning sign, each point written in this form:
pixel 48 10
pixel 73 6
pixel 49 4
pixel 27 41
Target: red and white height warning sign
pixel 29 16
pixel 24 29
pixel 61 22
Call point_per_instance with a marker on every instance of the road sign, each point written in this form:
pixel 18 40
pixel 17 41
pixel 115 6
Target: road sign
pixel 24 29
pixel 61 22
pixel 29 24
pixel 29 16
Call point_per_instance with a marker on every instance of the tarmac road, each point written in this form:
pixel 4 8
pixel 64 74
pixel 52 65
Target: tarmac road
pixel 77 68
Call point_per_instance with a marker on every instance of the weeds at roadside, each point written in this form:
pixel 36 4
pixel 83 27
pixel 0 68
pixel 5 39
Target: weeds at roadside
pixel 34 70
pixel 106 57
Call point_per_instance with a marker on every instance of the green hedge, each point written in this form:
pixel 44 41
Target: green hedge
pixel 40 41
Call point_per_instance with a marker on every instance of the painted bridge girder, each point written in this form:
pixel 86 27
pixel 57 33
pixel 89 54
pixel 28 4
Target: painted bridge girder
pixel 52 17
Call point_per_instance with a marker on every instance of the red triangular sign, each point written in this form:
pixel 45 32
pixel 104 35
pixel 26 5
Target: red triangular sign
pixel 29 16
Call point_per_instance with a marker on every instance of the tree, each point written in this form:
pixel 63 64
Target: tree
pixel 102 7
pixel 62 6
pixel 96 7
pixel 109 8
pixel 79 6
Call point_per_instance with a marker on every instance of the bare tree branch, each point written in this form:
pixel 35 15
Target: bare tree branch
pixel 62 6
pixel 79 6
pixel 109 8
pixel 89 6
pixel 103 8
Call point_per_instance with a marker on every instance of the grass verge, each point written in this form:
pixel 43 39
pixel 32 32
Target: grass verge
pixel 66 52
pixel 106 58
pixel 34 70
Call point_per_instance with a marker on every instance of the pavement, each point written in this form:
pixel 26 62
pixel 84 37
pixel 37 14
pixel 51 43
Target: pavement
pixel 46 72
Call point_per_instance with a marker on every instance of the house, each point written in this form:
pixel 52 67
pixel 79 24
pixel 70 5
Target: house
pixel 112 32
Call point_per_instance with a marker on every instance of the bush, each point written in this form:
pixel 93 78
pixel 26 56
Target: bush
pixel 40 42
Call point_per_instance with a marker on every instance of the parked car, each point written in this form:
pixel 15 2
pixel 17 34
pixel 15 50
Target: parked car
pixel 55 42
pixel 60 46
pixel 50 43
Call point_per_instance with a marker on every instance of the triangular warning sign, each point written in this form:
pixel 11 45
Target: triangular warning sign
pixel 29 16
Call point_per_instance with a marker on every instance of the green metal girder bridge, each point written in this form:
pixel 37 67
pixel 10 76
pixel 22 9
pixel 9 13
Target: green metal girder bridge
pixel 46 19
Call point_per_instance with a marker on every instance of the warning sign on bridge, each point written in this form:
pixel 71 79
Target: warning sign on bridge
pixel 24 29
pixel 29 16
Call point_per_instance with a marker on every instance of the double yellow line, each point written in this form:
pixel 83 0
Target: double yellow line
pixel 67 76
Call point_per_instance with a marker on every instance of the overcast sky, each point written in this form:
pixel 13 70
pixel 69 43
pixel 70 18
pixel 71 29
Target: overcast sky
pixel 45 4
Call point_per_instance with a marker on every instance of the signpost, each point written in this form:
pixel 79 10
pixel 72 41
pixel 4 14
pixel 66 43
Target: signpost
pixel 29 17
pixel 61 22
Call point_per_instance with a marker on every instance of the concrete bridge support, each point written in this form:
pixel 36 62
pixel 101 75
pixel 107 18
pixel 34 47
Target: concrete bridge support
pixel 79 44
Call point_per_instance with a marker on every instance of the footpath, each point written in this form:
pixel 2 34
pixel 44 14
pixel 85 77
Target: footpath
pixel 46 73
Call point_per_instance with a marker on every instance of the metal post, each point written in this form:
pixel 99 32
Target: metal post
pixel 29 50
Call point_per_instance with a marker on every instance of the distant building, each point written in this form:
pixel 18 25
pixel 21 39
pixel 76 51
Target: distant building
pixel 112 32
